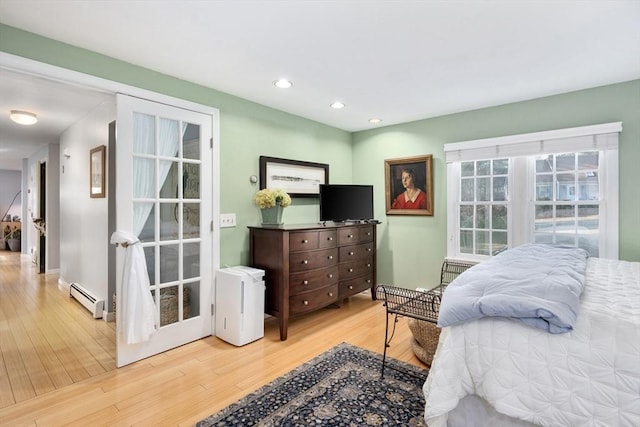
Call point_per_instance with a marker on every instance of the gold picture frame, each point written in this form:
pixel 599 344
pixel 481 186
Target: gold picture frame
pixel 414 195
pixel 97 172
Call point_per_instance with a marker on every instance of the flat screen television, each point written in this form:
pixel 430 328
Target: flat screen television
pixel 339 203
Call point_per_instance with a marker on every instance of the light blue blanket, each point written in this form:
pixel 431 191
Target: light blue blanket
pixel 538 284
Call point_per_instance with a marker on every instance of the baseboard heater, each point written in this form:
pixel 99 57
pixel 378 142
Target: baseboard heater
pixel 89 301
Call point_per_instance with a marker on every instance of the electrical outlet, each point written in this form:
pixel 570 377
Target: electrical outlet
pixel 227 220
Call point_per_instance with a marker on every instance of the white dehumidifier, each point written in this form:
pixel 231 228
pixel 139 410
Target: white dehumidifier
pixel 239 304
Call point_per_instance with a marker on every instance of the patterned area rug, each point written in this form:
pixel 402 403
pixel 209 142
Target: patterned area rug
pixel 341 387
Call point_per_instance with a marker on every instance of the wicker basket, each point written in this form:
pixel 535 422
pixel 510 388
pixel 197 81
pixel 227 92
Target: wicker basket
pixel 425 339
pixel 169 305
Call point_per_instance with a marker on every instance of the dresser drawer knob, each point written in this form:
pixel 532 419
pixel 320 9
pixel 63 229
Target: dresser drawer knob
pixel 330 257
pixel 368 233
pixel 369 265
pixel 368 249
pixel 350 253
pixel 350 287
pixel 305 282
pixel 351 270
pixel 330 294
pixel 350 236
pixel 369 281
pixel 305 241
pixel 329 238
pixel 330 276
pixel 305 302
pixel 305 262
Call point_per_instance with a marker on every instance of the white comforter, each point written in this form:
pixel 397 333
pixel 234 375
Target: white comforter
pixel 587 377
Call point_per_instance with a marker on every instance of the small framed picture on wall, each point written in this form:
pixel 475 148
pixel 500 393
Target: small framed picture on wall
pixel 97 172
pixel 409 185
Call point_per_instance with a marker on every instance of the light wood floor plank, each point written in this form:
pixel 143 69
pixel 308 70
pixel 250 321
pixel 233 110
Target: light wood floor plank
pixel 37 373
pixel 48 332
pixel 63 414
pixel 183 385
pixel 6 393
pixel 97 419
pixel 54 367
pixel 16 371
pixel 74 342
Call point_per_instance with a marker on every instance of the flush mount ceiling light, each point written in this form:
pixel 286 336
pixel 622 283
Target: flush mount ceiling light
pixel 283 83
pixel 23 117
pixel 337 105
pixel 374 121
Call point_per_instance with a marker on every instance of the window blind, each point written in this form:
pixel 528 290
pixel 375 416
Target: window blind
pixel 585 138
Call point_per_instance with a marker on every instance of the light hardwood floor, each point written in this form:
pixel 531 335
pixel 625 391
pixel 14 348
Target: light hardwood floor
pixel 42 333
pixel 47 340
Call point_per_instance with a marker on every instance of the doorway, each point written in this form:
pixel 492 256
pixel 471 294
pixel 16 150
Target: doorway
pixel 42 208
pixel 70 226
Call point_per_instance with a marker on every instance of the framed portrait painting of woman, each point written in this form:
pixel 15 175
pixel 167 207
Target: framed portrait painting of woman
pixel 409 186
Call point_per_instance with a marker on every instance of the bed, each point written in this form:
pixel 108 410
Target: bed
pixel 499 371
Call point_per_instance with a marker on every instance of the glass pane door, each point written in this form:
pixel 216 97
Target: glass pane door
pixel 166 179
pixel 164 195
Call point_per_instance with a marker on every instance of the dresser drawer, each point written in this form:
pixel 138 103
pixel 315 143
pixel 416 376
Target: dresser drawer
pixel 366 233
pixel 311 260
pixel 302 241
pixel 311 280
pixel 313 300
pixel 348 236
pixel 349 270
pixel 356 252
pixel 354 286
pixel 327 239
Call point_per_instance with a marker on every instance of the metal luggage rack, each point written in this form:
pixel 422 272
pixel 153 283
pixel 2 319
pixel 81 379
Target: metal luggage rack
pixel 411 303
pixel 419 305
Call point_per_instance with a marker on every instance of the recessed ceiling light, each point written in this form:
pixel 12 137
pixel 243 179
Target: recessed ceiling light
pixel 23 117
pixel 337 105
pixel 283 83
pixel 374 120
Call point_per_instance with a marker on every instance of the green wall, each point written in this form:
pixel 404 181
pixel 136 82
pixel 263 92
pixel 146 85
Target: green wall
pixel 247 131
pixel 412 247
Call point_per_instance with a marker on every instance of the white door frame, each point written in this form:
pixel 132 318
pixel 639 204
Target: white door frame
pixel 64 75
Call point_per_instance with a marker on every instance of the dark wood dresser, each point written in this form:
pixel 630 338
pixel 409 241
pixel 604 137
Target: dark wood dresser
pixel 308 267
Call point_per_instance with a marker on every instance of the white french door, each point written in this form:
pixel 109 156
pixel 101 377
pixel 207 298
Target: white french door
pixel 164 196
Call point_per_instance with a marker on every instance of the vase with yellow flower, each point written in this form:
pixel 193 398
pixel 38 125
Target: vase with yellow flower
pixel 271 202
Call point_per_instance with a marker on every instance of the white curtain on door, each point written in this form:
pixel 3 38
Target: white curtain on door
pixel 144 143
pixel 138 315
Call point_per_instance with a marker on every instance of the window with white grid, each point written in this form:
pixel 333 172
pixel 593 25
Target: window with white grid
pixel 550 187
pixel 567 200
pixel 483 206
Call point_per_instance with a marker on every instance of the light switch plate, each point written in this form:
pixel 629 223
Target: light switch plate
pixel 227 220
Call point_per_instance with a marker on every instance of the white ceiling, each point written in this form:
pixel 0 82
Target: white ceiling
pixel 399 60
pixel 56 104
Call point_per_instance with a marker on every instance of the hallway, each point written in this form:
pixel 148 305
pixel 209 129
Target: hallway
pixel 47 340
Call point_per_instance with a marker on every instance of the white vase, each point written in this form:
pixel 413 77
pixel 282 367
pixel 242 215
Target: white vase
pixel 272 216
